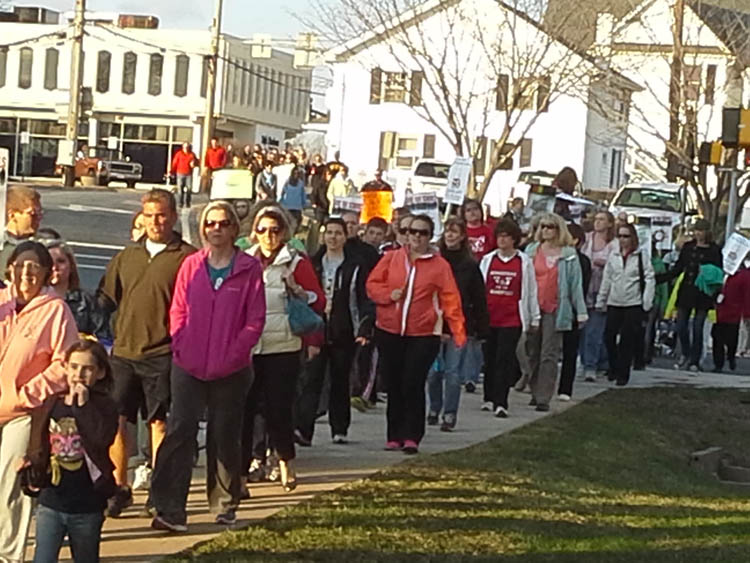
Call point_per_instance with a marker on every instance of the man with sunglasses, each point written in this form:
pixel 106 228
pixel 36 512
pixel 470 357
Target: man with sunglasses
pixel 23 216
pixel 138 284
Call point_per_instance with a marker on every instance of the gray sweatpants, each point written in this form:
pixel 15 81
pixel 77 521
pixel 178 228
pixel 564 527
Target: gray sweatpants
pixel 544 349
pixel 15 507
pixel 225 400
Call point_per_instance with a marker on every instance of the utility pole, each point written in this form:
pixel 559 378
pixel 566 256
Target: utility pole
pixel 74 105
pixel 213 65
pixel 732 209
pixel 675 90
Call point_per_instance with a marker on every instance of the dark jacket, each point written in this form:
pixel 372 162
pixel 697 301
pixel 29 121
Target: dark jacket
pixel 90 318
pixel 367 254
pixel 266 187
pixel 689 262
pixel 140 289
pixel 97 425
pixel 585 270
pixel 471 287
pixel 351 275
pixel 319 192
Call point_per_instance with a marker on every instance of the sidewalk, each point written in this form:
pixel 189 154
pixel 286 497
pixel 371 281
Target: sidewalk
pixel 326 466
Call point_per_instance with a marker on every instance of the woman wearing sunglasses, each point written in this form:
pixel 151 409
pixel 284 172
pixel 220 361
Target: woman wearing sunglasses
pixel 216 318
pixel 626 294
pixel 560 292
pixel 277 358
pixel 414 293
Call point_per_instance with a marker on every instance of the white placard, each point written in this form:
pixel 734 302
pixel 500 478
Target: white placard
pixel 346 204
pixel 66 152
pixel 735 250
pixel 661 232
pixel 458 181
pixel 113 143
pixel 25 137
pixel 425 204
pixel 4 173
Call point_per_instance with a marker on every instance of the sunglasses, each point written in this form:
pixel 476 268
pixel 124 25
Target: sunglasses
pixel 223 224
pixel 548 226
pixel 419 232
pixel 269 230
pixel 403 231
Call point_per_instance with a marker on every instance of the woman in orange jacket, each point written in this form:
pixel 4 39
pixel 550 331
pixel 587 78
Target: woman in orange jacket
pixel 414 292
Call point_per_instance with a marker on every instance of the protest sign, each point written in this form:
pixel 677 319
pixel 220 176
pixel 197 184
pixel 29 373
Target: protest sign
pixel 661 232
pixel 342 205
pixel 458 181
pixel 735 251
pixel 425 204
pixel 377 204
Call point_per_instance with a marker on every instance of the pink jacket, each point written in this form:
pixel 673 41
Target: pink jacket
pixel 32 349
pixel 214 330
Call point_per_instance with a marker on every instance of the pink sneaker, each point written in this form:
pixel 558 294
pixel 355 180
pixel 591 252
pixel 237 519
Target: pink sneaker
pixel 393 446
pixel 410 447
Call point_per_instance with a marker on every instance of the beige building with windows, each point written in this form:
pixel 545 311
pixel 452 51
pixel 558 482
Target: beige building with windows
pixel 144 90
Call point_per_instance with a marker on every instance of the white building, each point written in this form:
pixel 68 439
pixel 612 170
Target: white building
pixel 144 87
pixel 378 111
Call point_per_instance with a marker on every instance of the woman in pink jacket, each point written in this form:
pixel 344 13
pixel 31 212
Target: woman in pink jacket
pixel 217 316
pixel 36 327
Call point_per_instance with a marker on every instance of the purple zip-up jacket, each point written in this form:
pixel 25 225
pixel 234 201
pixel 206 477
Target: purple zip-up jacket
pixel 214 330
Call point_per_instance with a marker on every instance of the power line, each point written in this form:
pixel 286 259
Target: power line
pixel 58 34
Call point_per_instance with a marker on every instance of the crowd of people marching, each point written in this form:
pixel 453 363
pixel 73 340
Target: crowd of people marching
pixel 251 325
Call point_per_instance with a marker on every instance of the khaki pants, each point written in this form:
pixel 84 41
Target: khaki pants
pixel 544 351
pixel 15 507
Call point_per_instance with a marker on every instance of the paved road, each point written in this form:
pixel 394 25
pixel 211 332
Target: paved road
pixel 96 223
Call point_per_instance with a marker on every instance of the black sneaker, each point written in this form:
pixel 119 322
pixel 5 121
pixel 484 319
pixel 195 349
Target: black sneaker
pixel 228 518
pixel 732 364
pixel 432 419
pixel 161 523
pixel 541 407
pixel 449 423
pixel 532 402
pixel 470 387
pixel 301 440
pixel 121 500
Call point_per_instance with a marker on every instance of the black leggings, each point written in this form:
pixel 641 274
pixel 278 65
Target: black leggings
pixel 272 395
pixel 405 361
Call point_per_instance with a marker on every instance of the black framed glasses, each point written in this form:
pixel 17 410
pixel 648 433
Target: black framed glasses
pixel 223 224
pixel 419 232
pixel 548 226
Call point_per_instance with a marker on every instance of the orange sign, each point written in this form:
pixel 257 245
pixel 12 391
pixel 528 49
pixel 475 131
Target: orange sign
pixel 377 204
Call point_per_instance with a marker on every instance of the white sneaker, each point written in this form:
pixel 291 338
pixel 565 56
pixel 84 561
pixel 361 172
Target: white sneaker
pixel 589 375
pixel 142 478
pixel 340 439
pixel 486 406
pixel 564 398
pixel 500 412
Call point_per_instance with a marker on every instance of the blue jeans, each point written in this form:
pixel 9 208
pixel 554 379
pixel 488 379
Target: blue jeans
pixel 83 531
pixel 185 184
pixel 472 363
pixel 446 375
pixel 593 350
pixel 694 350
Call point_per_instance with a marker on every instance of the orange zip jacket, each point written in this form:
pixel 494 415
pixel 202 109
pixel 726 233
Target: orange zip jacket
pixel 430 295
pixel 32 348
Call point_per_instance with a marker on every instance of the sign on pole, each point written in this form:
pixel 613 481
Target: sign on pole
pixel 735 251
pixel 4 173
pixel 458 181
pixel 661 232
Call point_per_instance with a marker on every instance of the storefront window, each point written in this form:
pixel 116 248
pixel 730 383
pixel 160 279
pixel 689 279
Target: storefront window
pixel 131 131
pixel 183 134
pixel 8 125
pixel 46 127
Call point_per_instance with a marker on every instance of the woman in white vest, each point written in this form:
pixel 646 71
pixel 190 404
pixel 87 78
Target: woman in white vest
pixel 277 356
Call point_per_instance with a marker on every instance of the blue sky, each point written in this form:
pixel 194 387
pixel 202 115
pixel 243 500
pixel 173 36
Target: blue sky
pixel 241 17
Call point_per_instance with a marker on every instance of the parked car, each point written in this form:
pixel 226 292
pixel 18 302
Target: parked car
pixel 107 165
pixel 653 199
pixel 429 175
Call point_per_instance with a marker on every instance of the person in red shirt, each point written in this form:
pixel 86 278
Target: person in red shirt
pixel 481 236
pixel 731 306
pixel 183 163
pixel 216 156
pixel 511 291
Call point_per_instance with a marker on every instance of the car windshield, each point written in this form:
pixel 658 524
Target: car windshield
pixel 650 199
pixel 432 170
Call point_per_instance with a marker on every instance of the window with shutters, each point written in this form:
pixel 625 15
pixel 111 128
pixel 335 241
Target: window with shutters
pixel 394 87
pixel 51 60
pixel 415 88
pixel 543 87
pixel 692 82
pixel 376 84
pixel 524 90
pixel 181 74
pixel 103 65
pixel 387 149
pixel 155 69
pixel 129 65
pixel 26 63
pixel 428 146
pixel 501 95
pixel 3 65
pixel 204 75
pixel 710 96
pixel 525 158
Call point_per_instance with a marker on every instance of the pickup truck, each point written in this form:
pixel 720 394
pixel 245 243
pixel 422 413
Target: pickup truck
pixel 107 165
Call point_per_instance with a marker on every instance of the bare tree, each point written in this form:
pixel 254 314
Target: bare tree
pixel 485 70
